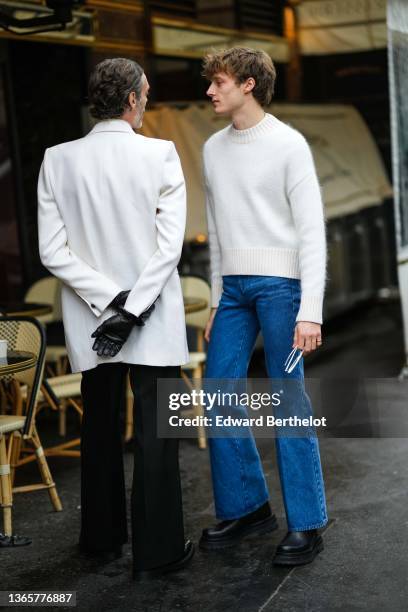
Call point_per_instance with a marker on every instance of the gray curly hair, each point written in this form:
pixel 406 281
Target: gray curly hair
pixel 110 84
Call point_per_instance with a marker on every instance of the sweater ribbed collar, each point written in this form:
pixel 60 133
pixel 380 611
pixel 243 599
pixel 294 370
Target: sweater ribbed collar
pixel 262 127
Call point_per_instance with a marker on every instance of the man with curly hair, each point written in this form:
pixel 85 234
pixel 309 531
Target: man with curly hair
pixel 268 256
pixel 111 220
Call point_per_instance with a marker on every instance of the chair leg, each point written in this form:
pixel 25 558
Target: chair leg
pixel 129 413
pixel 186 380
pixel 49 370
pixel 14 452
pixel 6 491
pixel 200 341
pixel 63 418
pixel 197 378
pixel 3 398
pixel 58 366
pixel 75 404
pixel 45 471
pixel 198 410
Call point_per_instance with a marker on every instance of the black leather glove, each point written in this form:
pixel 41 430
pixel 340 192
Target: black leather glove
pixel 118 304
pixel 113 333
pixel 119 300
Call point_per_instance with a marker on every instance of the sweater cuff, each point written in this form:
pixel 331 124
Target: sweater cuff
pixel 311 309
pixel 216 292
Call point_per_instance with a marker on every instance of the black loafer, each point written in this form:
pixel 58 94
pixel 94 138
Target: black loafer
pixel 228 533
pixel 157 572
pixel 298 548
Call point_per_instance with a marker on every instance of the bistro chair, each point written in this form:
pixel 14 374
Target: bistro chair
pixel 22 334
pixel 59 393
pixel 47 290
pixel 196 287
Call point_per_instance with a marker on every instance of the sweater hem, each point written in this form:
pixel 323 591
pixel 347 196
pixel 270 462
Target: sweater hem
pixel 264 261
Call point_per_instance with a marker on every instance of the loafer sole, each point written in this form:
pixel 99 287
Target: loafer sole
pixel 259 528
pixel 157 572
pixel 301 558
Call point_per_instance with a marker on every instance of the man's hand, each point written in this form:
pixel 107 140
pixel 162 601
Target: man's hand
pixel 208 327
pixel 113 333
pixel 308 336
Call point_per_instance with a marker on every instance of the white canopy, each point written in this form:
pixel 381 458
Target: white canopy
pixel 341 26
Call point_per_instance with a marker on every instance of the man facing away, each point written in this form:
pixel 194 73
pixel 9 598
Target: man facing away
pixel 268 259
pixel 111 220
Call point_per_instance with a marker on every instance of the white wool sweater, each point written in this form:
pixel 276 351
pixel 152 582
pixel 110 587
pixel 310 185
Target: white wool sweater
pixel 264 209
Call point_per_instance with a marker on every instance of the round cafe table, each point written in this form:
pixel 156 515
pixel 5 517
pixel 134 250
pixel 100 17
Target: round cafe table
pixel 17 361
pixel 19 309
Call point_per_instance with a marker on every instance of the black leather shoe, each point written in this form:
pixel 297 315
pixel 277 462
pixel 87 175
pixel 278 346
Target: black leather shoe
pixel 101 556
pixel 228 533
pixel 298 548
pixel 157 572
pixel 13 540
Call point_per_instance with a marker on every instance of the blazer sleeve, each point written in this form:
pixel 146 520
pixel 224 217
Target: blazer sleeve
pixel 93 287
pixel 170 227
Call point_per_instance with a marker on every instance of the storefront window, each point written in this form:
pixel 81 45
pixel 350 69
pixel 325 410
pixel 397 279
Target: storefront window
pixel 10 264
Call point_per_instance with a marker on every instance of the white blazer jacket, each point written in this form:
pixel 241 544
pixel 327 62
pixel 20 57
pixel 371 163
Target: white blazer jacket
pixel 111 217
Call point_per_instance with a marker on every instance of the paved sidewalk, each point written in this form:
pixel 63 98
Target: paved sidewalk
pixel 364 565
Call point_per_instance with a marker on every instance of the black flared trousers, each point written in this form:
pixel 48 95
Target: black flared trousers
pixel 156 503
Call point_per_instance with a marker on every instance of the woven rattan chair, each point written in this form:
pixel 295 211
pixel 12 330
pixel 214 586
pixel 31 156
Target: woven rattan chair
pixel 47 290
pixel 61 392
pixel 18 430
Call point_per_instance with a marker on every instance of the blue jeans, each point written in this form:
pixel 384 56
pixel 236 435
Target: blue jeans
pixel 269 304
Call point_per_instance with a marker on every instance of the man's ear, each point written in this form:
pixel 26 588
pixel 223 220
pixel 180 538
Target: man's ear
pixel 132 99
pixel 249 85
